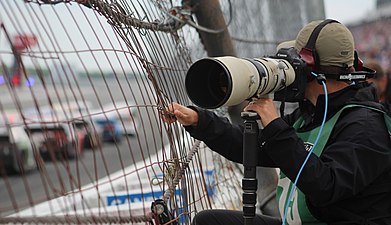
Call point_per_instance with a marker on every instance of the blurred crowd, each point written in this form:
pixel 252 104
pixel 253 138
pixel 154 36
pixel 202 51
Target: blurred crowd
pixel 373 43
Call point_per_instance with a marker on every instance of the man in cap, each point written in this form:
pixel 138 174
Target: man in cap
pixel 380 80
pixel 347 177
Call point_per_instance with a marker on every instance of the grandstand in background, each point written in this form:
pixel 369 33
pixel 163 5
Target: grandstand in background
pixel 382 3
pixel 372 35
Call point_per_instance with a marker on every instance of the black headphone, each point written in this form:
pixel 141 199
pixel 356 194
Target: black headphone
pixel 311 57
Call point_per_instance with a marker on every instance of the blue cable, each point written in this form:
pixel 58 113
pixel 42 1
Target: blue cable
pixel 310 152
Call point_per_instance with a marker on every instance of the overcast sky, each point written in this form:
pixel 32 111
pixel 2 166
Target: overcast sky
pixel 343 10
pixel 347 11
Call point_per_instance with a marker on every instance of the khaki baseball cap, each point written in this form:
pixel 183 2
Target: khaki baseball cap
pixel 334 45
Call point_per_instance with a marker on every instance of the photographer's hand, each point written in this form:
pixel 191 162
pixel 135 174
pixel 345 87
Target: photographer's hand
pixel 182 114
pixel 265 108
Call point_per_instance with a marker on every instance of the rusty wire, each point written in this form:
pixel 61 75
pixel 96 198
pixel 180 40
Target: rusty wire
pixel 138 57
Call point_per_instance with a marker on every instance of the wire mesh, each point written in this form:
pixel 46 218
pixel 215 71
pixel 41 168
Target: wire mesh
pixel 82 83
pixel 81 139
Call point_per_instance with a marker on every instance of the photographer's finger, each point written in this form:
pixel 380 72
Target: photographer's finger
pixel 180 116
pixel 249 107
pixel 167 116
pixel 187 117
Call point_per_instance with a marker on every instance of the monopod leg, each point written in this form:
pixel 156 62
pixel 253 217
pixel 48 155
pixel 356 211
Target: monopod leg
pixel 250 161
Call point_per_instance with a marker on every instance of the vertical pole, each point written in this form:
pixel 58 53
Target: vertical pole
pixel 250 162
pixel 210 15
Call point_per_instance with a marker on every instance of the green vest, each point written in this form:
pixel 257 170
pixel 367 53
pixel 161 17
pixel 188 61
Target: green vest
pixel 298 212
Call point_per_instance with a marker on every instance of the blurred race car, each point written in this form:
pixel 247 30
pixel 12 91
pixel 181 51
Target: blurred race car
pixel 56 140
pixel 91 132
pixel 55 132
pixel 16 150
pixel 125 113
pixel 111 129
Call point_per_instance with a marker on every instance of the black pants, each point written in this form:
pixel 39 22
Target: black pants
pixel 230 217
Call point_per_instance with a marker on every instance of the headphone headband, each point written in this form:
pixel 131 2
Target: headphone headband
pixel 315 33
pixel 308 52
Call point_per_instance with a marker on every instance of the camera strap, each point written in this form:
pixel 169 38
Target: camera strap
pixel 365 74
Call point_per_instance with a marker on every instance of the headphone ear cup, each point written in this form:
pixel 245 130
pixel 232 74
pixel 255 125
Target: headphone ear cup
pixel 308 57
pixel 358 63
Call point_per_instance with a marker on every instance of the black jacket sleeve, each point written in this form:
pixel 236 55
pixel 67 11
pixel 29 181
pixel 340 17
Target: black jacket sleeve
pixel 223 137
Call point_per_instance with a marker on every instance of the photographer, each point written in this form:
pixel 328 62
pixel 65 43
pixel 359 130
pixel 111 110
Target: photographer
pixel 347 178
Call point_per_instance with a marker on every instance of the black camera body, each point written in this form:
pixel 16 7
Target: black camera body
pixel 296 91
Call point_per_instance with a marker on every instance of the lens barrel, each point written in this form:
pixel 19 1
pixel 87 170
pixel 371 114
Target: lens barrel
pixel 226 81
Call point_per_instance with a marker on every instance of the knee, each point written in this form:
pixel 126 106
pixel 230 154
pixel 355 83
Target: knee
pixel 202 218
